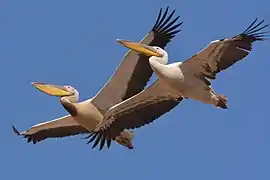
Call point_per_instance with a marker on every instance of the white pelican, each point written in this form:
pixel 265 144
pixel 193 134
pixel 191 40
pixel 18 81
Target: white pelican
pixel 175 82
pixel 129 79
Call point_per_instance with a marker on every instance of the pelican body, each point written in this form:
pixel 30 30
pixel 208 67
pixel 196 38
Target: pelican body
pixel 129 79
pixel 190 78
pixel 84 114
pixel 176 81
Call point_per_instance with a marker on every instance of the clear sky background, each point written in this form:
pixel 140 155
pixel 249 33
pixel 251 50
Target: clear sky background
pixel 73 42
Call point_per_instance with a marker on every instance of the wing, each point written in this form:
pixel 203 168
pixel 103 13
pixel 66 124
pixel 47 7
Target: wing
pixel 222 54
pixel 61 127
pixel 134 72
pixel 137 111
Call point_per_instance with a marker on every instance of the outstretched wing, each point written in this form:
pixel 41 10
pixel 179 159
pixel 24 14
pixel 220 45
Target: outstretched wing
pixel 137 111
pixel 134 72
pixel 61 127
pixel 220 55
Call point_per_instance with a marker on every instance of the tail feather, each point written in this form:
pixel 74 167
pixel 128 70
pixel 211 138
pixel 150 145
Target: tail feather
pixel 132 134
pixel 125 138
pixel 222 102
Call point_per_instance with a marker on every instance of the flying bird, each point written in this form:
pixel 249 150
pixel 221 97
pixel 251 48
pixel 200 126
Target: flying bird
pixel 129 79
pixel 176 81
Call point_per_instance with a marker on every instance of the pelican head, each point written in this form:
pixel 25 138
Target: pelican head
pixel 155 52
pixel 59 91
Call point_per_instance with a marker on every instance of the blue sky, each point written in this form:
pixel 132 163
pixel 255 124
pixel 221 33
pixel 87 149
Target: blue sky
pixel 73 42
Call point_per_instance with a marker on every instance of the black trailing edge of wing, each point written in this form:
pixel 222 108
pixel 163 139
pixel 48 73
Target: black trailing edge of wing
pixel 104 134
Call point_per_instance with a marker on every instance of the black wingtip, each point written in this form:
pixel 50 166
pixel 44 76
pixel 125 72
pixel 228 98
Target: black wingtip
pixel 162 20
pixel 86 137
pixel 97 140
pixel 254 28
pixel 109 141
pixel 15 130
pixel 93 136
